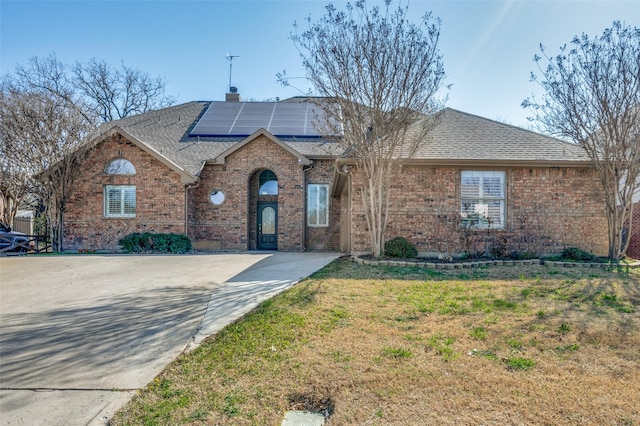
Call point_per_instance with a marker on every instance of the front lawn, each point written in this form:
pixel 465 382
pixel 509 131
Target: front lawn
pixel 409 346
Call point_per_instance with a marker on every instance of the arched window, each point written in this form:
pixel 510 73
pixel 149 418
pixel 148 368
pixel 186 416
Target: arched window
pixel 268 183
pixel 120 166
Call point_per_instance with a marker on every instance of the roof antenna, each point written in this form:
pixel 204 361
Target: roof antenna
pixel 230 58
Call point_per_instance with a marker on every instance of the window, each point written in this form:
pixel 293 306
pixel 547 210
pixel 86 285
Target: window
pixel 216 197
pixel 120 201
pixel 120 166
pixel 317 205
pixel 268 183
pixel 482 199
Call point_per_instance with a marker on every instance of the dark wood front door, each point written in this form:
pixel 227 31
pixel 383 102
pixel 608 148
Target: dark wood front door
pixel 267 226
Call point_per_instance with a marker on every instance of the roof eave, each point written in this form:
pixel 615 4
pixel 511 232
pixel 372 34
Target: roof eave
pixel 581 164
pixel 222 158
pixel 185 177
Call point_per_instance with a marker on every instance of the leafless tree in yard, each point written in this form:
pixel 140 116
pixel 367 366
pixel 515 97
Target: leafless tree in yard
pixel 117 93
pixel 381 73
pixel 592 97
pixel 97 88
pixel 48 110
pixel 43 137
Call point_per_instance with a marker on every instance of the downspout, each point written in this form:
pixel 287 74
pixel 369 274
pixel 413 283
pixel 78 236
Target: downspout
pixel 304 204
pixel 187 187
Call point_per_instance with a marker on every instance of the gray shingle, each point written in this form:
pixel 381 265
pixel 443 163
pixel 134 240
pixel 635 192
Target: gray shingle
pixel 457 136
pixel 462 136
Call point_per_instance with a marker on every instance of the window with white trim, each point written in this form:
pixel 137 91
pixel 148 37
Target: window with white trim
pixel 317 204
pixel 120 166
pixel 120 201
pixel 482 196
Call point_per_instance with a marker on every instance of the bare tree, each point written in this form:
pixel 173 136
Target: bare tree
pixel 14 185
pixel 48 109
pixel 119 93
pixel 94 87
pixel 592 97
pixel 42 137
pixel 381 72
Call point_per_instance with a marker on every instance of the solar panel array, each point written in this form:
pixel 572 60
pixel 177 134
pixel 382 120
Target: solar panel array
pixel 244 118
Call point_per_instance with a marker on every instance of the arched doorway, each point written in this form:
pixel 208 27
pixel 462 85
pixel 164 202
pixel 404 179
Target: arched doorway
pixel 264 190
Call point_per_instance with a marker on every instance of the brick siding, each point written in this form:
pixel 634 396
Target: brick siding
pixel 634 245
pixel 558 206
pixel 547 209
pixel 160 198
pixel 232 224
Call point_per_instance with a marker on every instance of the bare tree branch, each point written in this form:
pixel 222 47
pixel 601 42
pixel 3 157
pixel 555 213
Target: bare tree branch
pixel 41 140
pixel 114 94
pixel 592 97
pixel 381 73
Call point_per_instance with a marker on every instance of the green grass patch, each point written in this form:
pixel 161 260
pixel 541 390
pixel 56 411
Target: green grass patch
pixel 479 333
pixel 397 353
pixel 519 363
pixel 370 339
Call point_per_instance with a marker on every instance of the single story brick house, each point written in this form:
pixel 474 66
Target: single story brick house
pixel 237 176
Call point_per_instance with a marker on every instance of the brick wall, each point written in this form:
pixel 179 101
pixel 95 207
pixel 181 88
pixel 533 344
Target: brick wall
pixel 547 210
pixel 634 245
pixel 160 198
pixel 232 224
pixel 324 238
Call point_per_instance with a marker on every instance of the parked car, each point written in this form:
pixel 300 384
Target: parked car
pixel 10 240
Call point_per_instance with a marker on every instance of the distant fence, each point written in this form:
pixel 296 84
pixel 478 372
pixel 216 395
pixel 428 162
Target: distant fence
pixel 23 224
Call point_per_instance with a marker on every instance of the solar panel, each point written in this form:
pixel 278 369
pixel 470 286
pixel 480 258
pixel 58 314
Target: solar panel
pixel 244 118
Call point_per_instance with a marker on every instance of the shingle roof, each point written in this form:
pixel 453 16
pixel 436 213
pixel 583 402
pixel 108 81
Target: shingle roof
pixel 457 137
pixel 166 131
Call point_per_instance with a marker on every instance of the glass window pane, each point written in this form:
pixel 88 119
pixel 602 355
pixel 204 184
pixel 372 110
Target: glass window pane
pixel 470 187
pixel 120 166
pixel 482 198
pixel 268 220
pixel 492 186
pixel 318 205
pixel 216 197
pixel 269 188
pixel 114 205
pixel 268 183
pixel 129 201
pixel 120 201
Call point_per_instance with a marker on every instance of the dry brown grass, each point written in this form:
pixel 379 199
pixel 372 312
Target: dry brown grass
pixel 394 346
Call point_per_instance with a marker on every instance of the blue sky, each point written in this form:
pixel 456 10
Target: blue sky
pixel 487 46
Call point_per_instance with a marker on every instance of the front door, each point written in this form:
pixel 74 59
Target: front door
pixel 267 226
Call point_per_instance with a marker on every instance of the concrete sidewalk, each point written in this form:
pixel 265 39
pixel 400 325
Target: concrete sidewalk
pixel 80 334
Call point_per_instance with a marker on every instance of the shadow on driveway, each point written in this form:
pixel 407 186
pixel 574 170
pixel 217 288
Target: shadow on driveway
pixel 100 346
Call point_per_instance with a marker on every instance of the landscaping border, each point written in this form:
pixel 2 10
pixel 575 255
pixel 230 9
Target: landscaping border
pixel 476 264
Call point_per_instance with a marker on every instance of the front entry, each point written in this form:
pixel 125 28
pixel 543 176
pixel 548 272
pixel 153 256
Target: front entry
pixel 267 226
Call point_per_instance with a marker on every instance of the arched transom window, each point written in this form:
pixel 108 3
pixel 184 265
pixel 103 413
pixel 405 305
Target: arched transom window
pixel 120 166
pixel 268 183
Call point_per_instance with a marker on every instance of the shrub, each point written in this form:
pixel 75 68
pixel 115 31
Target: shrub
pixel 400 247
pixel 576 254
pixel 155 243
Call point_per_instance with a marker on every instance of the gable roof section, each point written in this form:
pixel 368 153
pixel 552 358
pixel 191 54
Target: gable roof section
pixel 221 159
pixel 459 138
pixel 185 176
pixel 166 132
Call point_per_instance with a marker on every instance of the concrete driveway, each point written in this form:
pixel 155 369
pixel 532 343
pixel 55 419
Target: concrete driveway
pixel 80 334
